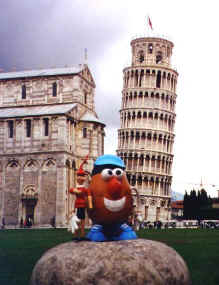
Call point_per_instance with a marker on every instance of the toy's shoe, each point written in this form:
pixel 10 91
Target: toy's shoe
pixel 119 232
pixel 96 234
pixel 127 233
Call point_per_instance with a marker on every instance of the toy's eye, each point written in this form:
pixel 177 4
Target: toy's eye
pixel 118 172
pixel 106 173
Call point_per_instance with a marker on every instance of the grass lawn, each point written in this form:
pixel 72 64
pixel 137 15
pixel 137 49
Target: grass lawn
pixel 20 250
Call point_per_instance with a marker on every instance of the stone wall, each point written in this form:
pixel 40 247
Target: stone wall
pixel 37 170
pixel 70 88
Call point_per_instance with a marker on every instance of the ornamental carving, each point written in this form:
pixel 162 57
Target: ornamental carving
pixel 143 202
pixel 29 194
pixel 153 202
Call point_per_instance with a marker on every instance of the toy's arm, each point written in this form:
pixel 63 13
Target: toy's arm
pixel 89 199
pixel 90 203
pixel 75 191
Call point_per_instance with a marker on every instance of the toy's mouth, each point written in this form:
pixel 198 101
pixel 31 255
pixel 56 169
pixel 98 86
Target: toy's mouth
pixel 114 206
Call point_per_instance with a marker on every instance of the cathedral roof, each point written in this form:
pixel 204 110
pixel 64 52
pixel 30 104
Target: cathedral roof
pixel 89 117
pixel 41 72
pixel 26 111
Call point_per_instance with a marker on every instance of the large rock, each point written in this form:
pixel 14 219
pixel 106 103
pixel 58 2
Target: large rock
pixel 110 263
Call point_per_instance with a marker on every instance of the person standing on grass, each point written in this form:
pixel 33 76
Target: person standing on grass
pixel 21 223
pixel 3 223
pixel 83 200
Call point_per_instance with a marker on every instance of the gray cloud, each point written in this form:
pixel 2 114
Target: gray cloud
pixel 49 33
pixel 45 33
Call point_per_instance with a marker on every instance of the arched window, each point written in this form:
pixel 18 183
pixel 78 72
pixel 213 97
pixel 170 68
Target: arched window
pixel 28 128
pixel 24 92
pixel 139 115
pixel 158 80
pixel 10 129
pixel 133 180
pixel 84 131
pixel 159 57
pixel 150 48
pixel 46 126
pixel 54 89
pixel 85 98
pixel 141 56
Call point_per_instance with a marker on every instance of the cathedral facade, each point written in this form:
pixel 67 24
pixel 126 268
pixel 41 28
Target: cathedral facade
pixel 48 124
pixel 147 118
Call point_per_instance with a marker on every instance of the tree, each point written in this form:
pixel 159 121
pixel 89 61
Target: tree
pixel 186 206
pixel 195 205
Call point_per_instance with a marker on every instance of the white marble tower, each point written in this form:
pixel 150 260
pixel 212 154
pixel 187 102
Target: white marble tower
pixel 147 118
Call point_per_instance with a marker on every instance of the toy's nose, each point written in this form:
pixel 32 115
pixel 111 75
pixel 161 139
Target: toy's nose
pixel 114 188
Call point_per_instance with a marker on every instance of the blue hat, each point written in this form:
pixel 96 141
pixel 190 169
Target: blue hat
pixel 109 159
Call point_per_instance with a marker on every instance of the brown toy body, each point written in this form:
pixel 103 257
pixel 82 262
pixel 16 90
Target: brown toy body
pixel 112 200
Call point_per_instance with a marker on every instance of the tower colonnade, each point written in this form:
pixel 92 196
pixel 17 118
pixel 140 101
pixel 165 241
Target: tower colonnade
pixel 147 120
pixel 135 97
pixel 141 140
pixel 154 78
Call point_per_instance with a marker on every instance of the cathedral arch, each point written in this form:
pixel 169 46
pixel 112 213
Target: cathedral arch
pixel 12 165
pixel 31 165
pixel 68 163
pixel 49 165
pixel 30 190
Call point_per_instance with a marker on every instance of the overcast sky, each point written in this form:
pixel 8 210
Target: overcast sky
pixel 49 33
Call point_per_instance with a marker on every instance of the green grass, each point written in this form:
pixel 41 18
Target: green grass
pixel 20 250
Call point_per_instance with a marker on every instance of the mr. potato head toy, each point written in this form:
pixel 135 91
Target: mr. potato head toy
pixel 112 201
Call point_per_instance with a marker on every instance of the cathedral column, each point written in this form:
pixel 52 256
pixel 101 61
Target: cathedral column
pixel 60 194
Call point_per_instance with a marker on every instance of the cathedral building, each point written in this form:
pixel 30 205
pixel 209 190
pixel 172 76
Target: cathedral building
pixel 48 124
pixel 147 118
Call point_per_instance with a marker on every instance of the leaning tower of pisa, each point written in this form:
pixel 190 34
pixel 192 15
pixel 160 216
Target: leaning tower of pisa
pixel 147 118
